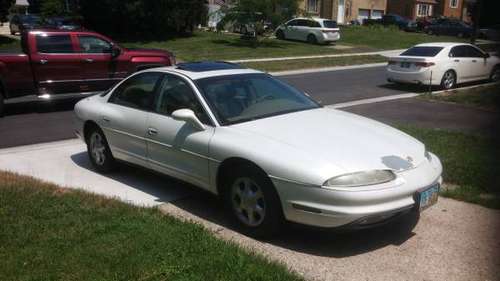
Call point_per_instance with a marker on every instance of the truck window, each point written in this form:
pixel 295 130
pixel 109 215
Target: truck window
pixel 93 45
pixel 54 44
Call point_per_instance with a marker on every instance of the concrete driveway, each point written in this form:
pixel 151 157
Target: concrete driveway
pixel 452 241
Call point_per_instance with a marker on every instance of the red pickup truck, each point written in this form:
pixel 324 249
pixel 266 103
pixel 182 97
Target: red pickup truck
pixel 57 64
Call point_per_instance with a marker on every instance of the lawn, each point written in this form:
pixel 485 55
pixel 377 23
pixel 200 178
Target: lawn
pixel 314 63
pixel 9 45
pixel 50 233
pixel 213 46
pixel 485 97
pixel 471 164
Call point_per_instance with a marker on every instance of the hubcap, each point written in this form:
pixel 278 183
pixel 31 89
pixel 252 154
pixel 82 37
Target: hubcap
pixel 97 148
pixel 496 75
pixel 449 80
pixel 248 202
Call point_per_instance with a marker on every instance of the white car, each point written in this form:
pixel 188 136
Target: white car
pixel 270 151
pixel 312 30
pixel 444 64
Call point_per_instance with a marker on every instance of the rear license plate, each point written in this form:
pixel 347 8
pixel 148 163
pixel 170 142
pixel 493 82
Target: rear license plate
pixel 405 65
pixel 428 197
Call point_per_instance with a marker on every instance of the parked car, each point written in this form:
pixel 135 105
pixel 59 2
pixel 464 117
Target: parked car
pixel 490 33
pixel 57 64
pixel 20 23
pixel 449 27
pixel 397 20
pixel 312 30
pixel 269 150
pixel 62 23
pixel 444 64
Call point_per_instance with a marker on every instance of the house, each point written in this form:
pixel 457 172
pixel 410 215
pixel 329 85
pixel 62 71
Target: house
pixel 413 9
pixel 453 9
pixel 344 11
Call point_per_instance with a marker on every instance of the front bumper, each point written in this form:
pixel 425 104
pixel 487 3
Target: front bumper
pixel 364 206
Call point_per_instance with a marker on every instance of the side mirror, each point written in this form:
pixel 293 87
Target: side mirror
pixel 115 52
pixel 188 116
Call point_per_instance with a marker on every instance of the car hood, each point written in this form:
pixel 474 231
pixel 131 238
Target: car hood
pixel 348 141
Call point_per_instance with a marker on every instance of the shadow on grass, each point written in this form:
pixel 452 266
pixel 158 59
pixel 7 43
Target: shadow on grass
pixel 249 43
pixel 326 242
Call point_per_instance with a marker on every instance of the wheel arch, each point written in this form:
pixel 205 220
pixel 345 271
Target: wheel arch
pixel 87 127
pixel 227 166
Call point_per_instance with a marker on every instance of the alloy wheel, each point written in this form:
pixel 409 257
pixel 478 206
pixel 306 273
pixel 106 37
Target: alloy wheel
pixel 97 148
pixel 248 202
pixel 448 80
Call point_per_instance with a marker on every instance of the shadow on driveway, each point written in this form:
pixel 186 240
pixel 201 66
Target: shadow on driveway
pixel 310 240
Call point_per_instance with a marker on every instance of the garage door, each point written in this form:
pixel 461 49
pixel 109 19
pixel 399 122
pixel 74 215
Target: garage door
pixel 377 14
pixel 363 14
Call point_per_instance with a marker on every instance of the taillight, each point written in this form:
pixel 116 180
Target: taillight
pixel 424 64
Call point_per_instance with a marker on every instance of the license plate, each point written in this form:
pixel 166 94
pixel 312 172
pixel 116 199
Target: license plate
pixel 405 65
pixel 428 197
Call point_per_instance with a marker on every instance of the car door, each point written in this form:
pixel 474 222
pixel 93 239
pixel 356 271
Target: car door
pixel 99 67
pixel 124 120
pixel 462 63
pixel 303 29
pixel 480 69
pixel 291 29
pixel 55 64
pixel 176 147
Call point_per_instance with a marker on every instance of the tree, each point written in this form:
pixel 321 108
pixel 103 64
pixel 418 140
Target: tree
pixel 52 8
pixel 4 9
pixel 255 13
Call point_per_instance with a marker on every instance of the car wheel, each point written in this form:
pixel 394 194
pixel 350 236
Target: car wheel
pixel 253 202
pixel 495 74
pixel 312 39
pixel 280 35
pixel 99 153
pixel 449 80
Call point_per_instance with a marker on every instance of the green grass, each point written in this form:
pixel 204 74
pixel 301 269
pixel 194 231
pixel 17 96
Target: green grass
pixel 471 163
pixel 213 46
pixel 49 233
pixel 486 97
pixel 9 45
pixel 314 63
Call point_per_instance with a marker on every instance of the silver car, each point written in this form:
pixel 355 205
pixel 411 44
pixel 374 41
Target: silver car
pixel 312 30
pixel 270 151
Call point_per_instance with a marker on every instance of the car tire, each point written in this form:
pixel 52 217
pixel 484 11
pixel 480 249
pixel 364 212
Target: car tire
pixel 311 38
pixel 280 35
pixel 99 152
pixel 449 80
pixel 252 201
pixel 495 74
pixel 2 105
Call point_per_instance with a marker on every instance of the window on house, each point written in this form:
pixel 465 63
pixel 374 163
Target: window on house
pixel 424 10
pixel 453 3
pixel 313 6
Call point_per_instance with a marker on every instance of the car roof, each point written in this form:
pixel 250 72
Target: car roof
pixel 205 69
pixel 441 44
pixel 313 18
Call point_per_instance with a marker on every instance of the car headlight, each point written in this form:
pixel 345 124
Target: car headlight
pixel 361 178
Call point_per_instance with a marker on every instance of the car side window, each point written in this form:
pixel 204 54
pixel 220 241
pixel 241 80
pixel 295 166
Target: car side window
pixel 175 93
pixel 458 52
pixel 473 52
pixel 302 23
pixel 54 44
pixel 137 92
pixel 292 23
pixel 94 45
pixel 314 24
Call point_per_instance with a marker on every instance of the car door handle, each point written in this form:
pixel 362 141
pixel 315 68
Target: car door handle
pixel 44 61
pixel 106 119
pixel 88 60
pixel 152 131
pixel 474 60
pixel 456 60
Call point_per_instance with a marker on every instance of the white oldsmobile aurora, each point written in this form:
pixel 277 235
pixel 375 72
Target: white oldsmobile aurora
pixel 443 64
pixel 270 151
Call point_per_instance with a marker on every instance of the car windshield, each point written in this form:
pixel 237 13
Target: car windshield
pixel 245 97
pixel 422 51
pixel 30 19
pixel 329 24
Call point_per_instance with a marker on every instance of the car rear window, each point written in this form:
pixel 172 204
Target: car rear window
pixel 422 51
pixel 330 24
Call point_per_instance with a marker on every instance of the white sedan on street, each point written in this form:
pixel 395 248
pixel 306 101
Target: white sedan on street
pixel 270 151
pixel 312 30
pixel 444 64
